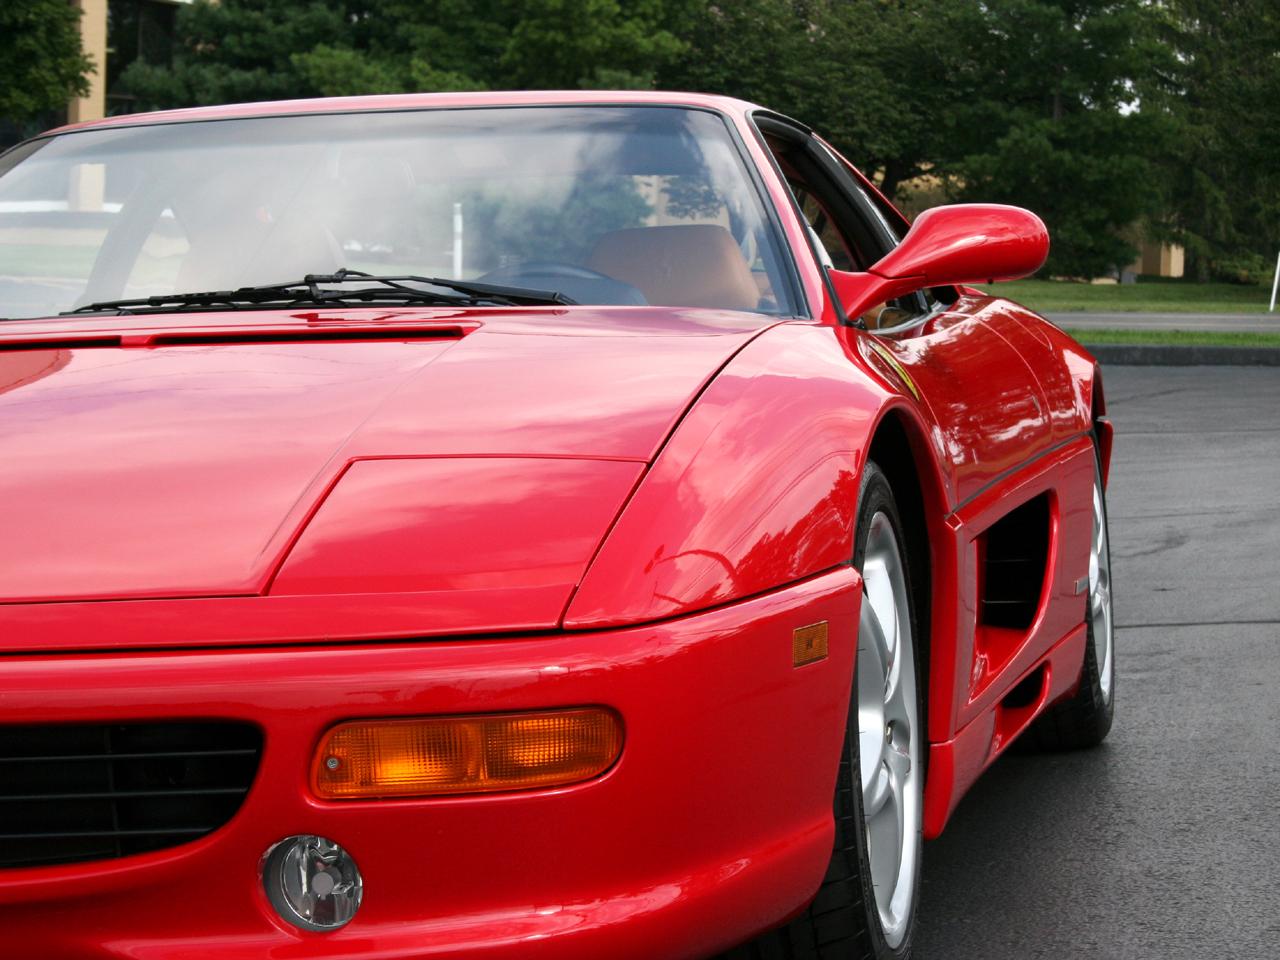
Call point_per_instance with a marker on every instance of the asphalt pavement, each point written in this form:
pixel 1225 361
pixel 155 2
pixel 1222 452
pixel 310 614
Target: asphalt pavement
pixel 1164 843
pixel 1216 322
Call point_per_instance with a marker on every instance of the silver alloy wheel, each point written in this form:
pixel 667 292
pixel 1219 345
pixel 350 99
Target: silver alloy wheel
pixel 888 730
pixel 1100 593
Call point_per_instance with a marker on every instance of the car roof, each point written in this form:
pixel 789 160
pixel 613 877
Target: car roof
pixel 420 101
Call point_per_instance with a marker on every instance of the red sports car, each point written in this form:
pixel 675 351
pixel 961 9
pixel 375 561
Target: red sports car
pixel 589 525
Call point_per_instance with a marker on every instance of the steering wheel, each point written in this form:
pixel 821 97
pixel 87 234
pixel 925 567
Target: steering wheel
pixel 581 283
pixel 544 268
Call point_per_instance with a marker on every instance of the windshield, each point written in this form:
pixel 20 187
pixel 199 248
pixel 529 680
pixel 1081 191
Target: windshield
pixel 605 205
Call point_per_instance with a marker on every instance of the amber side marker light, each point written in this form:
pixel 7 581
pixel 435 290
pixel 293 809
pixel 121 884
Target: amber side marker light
pixel 809 644
pixel 435 756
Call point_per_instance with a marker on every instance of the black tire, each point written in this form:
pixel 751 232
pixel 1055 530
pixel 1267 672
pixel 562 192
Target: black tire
pixel 842 922
pixel 1084 719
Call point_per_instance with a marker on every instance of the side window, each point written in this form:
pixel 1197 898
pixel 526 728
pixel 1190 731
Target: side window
pixel 832 246
pixel 848 231
pixel 844 249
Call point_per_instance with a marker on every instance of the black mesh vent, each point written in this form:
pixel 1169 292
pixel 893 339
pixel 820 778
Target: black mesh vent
pixel 71 792
pixel 1016 555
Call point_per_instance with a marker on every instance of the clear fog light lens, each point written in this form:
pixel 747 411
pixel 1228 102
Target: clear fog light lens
pixel 312 882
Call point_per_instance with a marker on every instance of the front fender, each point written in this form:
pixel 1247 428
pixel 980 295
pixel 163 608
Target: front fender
pixel 756 488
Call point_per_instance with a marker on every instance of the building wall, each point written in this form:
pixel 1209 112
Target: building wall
pixel 93 36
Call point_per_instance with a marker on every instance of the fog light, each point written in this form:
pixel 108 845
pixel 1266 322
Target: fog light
pixel 427 756
pixel 312 882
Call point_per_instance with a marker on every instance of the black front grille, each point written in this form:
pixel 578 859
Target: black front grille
pixel 71 792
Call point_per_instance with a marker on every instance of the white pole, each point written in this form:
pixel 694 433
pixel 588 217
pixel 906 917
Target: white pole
pixel 457 241
pixel 1274 284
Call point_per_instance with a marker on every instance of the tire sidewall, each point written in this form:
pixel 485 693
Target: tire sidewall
pixel 876 496
pixel 1105 706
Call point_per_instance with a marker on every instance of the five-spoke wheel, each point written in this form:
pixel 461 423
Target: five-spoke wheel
pixel 888 728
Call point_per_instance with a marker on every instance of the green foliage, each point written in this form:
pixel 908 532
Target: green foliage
pixel 237 51
pixel 1221 176
pixel 565 44
pixel 41 62
pixel 1013 100
pixel 241 50
pixel 879 79
pixel 1108 117
pixel 1065 136
pixel 1189 338
pixel 1249 269
pixel 1148 295
pixel 1085 174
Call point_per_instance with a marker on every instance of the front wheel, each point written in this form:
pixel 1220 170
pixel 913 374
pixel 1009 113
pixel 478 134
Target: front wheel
pixel 865 908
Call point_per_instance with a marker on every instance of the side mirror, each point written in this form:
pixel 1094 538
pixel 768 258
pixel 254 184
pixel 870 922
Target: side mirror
pixel 960 243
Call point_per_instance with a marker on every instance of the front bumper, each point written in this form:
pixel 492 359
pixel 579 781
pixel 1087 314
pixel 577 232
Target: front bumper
pixel 714 824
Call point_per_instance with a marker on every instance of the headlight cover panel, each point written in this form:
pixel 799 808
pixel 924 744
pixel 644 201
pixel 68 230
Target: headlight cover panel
pixel 505 539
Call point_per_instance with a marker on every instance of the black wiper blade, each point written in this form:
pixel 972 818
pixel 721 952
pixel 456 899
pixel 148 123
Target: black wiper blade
pixel 309 291
pixel 262 296
pixel 500 293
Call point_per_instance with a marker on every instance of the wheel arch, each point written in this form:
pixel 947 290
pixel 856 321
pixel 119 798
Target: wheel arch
pixel 1101 423
pixel 900 447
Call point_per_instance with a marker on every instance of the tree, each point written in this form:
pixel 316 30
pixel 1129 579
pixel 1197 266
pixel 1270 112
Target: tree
pixel 1084 173
pixel 1221 173
pixel 42 65
pixel 877 78
pixel 566 44
pixel 1061 128
pixel 1109 117
pixel 239 50
pixel 1022 101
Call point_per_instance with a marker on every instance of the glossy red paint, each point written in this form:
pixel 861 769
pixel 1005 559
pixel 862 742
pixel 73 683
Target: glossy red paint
pixel 649 860
pixel 112 480
pixel 978 435
pixel 279 534
pixel 956 763
pixel 490 533
pixel 963 243
pixel 740 497
pixel 110 483
pixel 968 241
pixel 996 448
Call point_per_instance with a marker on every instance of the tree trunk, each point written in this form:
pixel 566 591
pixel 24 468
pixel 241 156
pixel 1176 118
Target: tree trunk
pixel 894 172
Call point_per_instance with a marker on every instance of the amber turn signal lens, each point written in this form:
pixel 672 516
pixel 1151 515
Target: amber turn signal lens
pixel 433 756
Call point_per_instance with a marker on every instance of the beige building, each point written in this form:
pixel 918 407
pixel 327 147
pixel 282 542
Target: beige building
pixel 1160 260
pixel 93 37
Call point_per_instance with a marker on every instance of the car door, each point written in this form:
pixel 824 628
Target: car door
pixel 954 350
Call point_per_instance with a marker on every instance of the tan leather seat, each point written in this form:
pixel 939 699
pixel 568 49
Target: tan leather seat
pixel 694 265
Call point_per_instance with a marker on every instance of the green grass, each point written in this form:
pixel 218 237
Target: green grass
pixel 1145 296
pixel 1210 338
pixel 47 260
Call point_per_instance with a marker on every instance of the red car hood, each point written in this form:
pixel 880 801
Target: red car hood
pixel 147 457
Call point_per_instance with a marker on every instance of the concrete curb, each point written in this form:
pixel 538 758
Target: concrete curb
pixel 1182 355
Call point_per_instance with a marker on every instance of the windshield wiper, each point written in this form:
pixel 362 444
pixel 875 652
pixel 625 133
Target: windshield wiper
pixel 310 291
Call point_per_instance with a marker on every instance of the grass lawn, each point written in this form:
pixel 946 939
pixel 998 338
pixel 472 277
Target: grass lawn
pixel 47 260
pixel 1145 296
pixel 1186 337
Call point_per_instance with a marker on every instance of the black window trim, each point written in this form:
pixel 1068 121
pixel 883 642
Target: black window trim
pixel 863 206
pixel 842 185
pixel 768 122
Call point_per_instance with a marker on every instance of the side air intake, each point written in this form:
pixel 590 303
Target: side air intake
pixel 1014 555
